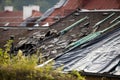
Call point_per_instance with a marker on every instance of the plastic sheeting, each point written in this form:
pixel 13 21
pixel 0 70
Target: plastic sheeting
pixel 51 10
pixel 99 56
pixel 117 70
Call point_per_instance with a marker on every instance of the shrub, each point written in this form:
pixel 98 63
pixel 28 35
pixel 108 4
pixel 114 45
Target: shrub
pixel 22 67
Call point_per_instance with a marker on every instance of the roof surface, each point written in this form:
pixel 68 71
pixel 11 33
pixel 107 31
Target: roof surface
pixel 36 13
pixel 110 49
pixel 72 5
pixel 63 11
pixel 101 4
pixel 13 18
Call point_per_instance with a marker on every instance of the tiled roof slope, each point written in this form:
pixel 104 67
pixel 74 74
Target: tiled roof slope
pixel 12 17
pixel 101 4
pixel 72 5
pixel 36 13
pixel 66 9
pixel 15 18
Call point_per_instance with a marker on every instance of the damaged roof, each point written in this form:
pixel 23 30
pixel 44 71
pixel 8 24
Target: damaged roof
pixel 102 53
pixel 98 56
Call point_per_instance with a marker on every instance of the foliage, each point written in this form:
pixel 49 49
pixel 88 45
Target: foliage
pixel 22 67
pixel 4 56
pixel 77 74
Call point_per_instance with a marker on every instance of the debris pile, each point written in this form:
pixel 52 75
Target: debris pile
pixel 31 44
pixel 49 43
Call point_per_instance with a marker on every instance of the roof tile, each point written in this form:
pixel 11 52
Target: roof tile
pixel 102 4
pixel 70 6
pixel 85 4
pixel 13 18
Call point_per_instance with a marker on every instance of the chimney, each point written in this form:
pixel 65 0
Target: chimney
pixel 35 7
pixel 8 8
pixel 27 10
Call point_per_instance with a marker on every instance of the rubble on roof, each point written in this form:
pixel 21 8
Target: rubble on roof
pixel 101 55
pixel 104 50
pixel 73 34
pixel 36 42
pixel 31 44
